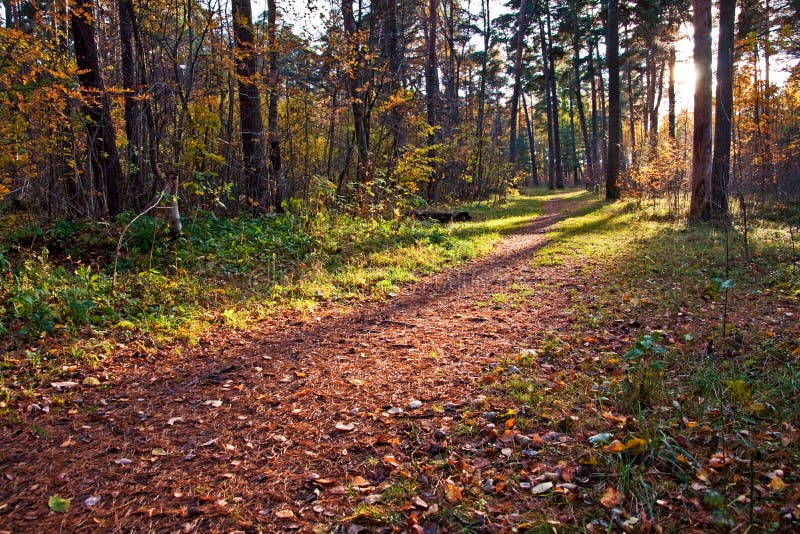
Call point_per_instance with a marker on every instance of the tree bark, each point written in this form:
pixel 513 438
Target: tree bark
pixel 133 111
pixel 553 88
pixel 513 155
pixel 432 89
pixel 576 66
pixel 255 169
pixel 277 178
pixel 701 139
pixel 614 114
pixel 721 163
pixel 531 144
pixel 671 93
pixel 353 80
pixel 104 157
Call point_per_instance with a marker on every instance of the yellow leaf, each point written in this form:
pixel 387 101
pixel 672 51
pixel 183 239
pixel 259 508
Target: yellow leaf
pixel 776 484
pixel 615 446
pixel 635 445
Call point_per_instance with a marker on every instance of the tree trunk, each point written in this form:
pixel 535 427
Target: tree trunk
pixel 171 183
pixel 553 88
pixel 102 144
pixel 255 169
pixel 548 105
pixel 701 139
pixel 432 89
pixel 576 66
pixel 354 81
pixel 513 156
pixel 531 144
pixel 614 115
pixel 721 164
pixel 671 93
pixel 133 111
pixel 277 178
pixel 595 136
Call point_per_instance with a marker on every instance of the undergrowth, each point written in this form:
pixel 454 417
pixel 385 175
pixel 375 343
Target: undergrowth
pixel 58 295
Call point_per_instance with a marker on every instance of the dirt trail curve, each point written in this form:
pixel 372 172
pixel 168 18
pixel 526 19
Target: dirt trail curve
pixel 163 454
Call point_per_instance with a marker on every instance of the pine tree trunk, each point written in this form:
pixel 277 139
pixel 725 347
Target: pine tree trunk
pixel 277 178
pixel 102 145
pixel 721 164
pixel 432 89
pixel 513 156
pixel 531 144
pixel 614 113
pixel 253 149
pixel 701 139
pixel 671 93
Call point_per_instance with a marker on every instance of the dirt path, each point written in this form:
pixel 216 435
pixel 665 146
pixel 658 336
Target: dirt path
pixel 268 429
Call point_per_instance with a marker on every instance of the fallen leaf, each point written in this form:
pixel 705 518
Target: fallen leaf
pixel 63 385
pixel 123 461
pixel 355 381
pixel 216 403
pixel 91 501
pixel 777 484
pixel 615 418
pixel 174 420
pixel 541 488
pixel 452 491
pixel 91 381
pixel 635 445
pixel 611 498
pixel 419 503
pixel 359 482
pixel 345 427
pixel 58 504
pixel 284 514
pixel 615 446
pixel 158 451
pixel 391 461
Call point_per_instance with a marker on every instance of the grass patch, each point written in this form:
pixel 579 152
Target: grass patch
pixel 59 297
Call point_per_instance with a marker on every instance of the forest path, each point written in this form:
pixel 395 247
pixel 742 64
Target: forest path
pixel 271 428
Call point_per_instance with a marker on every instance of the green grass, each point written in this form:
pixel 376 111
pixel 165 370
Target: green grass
pixel 58 290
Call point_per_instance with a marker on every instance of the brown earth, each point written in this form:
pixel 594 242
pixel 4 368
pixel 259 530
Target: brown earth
pixel 281 427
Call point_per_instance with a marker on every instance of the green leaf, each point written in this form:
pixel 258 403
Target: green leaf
pixel 58 504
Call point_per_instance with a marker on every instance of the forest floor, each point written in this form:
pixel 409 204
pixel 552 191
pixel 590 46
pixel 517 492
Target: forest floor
pixel 500 395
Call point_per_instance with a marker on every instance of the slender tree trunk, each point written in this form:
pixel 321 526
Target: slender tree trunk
pixel 353 78
pixel 277 177
pixel 671 93
pixel 701 140
pixel 104 157
pixel 595 136
pixel 479 127
pixel 604 108
pixel 576 66
pixel 573 140
pixel 133 111
pixel 548 105
pixel 614 119
pixel 631 112
pixel 553 88
pixel 721 164
pixel 513 156
pixel 531 144
pixel 432 89
pixel 171 182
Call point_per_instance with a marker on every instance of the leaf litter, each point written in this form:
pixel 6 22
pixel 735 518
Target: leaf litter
pixel 304 450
